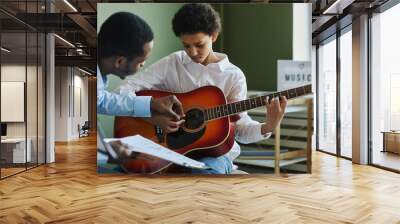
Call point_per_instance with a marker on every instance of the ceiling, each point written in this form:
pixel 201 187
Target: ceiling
pixel 76 25
pixel 329 16
pixel 75 22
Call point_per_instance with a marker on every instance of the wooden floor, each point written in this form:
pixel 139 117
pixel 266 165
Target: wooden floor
pixel 10 171
pixel 5 172
pixel 70 191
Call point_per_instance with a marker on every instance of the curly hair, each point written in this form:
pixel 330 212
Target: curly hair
pixel 196 17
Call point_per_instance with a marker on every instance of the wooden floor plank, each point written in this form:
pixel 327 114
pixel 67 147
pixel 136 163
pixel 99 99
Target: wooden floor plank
pixel 70 191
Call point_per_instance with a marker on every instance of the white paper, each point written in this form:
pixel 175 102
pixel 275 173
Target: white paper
pixel 137 143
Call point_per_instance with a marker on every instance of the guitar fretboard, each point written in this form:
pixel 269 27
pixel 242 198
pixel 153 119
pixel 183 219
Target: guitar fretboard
pixel 248 104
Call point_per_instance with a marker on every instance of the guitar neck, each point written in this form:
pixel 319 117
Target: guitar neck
pixel 251 103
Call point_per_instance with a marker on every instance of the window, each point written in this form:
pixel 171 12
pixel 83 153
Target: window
pixel 327 97
pixel 385 84
pixel 22 67
pixel 346 94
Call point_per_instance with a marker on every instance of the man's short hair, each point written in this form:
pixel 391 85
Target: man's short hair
pixel 123 34
pixel 196 17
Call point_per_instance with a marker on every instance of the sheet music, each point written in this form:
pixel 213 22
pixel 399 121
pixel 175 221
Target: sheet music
pixel 137 143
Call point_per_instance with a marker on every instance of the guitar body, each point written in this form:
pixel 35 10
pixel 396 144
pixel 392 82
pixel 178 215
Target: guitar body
pixel 195 139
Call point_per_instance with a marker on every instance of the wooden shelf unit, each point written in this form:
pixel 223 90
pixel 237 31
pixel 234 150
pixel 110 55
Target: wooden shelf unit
pixel 289 144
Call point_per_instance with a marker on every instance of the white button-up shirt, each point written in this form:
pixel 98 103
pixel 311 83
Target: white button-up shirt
pixel 178 73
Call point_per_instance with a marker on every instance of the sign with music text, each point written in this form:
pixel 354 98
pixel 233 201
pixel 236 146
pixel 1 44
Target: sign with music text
pixel 292 74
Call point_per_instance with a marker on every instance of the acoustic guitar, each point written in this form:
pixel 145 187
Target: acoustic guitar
pixel 207 130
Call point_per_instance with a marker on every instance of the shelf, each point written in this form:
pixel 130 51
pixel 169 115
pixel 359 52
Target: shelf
pixel 269 163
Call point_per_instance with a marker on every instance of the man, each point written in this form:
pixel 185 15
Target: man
pixel 124 43
pixel 198 26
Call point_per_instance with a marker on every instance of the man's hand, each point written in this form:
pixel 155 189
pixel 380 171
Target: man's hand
pixel 275 111
pixel 165 122
pixel 122 151
pixel 167 113
pixel 167 105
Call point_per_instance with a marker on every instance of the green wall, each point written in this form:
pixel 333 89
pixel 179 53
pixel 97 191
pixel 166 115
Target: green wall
pixel 159 17
pixel 254 37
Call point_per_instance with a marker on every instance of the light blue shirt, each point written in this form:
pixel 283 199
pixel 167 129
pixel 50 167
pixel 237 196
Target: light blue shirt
pixel 120 104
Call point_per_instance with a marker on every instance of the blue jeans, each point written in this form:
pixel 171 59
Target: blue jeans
pixel 218 165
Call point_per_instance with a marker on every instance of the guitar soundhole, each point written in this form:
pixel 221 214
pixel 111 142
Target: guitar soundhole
pixel 194 119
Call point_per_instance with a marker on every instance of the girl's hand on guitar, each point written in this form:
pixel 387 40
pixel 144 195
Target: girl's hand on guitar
pixel 275 111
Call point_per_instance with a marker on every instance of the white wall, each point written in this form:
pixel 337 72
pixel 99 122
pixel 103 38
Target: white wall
pixel 302 49
pixel 70 84
pixel 302 32
pixel 33 127
pixel 79 117
pixel 17 72
pixel 14 72
pixel 61 103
